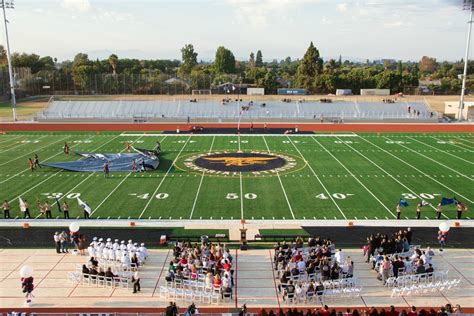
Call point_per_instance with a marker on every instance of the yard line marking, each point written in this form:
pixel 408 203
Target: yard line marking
pixel 464 139
pixel 9 140
pixel 319 180
pixel 164 177
pixel 93 173
pixel 241 198
pixel 423 173
pixel 355 177
pixel 49 176
pixel 21 144
pixel 111 192
pixel 439 163
pixel 200 182
pixel 15 175
pixel 389 174
pixel 281 183
pixel 416 140
pixel 38 149
pixel 449 143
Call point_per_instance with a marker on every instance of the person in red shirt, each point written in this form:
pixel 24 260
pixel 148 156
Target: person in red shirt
pixel 31 165
pixel 129 147
pixel 217 282
pixel 413 311
pixel 106 169
pixel 134 165
pixel 66 149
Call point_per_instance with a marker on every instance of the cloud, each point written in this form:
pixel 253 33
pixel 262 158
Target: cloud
pixel 342 7
pixel 77 5
pixel 257 13
pixel 112 16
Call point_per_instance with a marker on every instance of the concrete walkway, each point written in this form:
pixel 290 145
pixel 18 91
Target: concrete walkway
pixel 255 282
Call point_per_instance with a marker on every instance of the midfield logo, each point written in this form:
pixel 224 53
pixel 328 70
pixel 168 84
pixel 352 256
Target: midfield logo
pixel 232 163
pixel 241 161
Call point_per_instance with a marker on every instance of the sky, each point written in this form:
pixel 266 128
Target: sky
pixel 157 29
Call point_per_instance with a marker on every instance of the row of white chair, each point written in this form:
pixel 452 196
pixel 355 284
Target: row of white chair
pixel 409 279
pixel 426 288
pixel 100 281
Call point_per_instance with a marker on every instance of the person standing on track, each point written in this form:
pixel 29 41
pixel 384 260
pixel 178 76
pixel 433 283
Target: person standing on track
pixel 418 210
pixel 66 210
pixel 36 161
pixel 47 209
pixel 6 209
pixel 66 149
pixel 27 210
pixel 106 170
pixel 439 210
pixel 399 211
pixel 31 164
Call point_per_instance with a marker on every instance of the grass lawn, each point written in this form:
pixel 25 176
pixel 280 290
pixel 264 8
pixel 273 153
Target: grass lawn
pixel 362 176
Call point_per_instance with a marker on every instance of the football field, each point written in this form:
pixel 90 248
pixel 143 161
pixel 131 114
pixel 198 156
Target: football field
pixel 321 176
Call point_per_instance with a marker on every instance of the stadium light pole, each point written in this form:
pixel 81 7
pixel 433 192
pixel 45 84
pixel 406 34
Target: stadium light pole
pixel 468 5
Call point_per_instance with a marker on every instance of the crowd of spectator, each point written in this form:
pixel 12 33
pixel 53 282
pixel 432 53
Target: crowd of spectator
pixel 207 262
pixel 446 310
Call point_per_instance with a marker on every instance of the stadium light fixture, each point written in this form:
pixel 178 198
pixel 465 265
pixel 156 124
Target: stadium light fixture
pixel 9 4
pixel 468 5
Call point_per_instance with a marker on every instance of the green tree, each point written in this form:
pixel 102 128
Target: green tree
pixel 224 62
pixel 259 59
pixel 310 66
pixel 428 65
pixel 189 59
pixel 252 60
pixel 82 70
pixel 113 62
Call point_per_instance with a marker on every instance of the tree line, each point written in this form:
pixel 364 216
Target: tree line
pixel 46 75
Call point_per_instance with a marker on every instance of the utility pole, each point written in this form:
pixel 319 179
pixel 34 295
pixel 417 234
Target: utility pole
pixel 468 5
pixel 9 4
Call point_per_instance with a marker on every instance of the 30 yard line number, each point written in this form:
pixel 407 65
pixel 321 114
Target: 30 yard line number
pixel 427 196
pixel 73 195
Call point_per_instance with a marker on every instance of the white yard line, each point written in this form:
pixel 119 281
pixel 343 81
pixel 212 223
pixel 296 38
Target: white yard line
pixel 355 177
pixel 164 177
pixel 448 153
pixel 281 183
pixel 93 173
pixel 461 138
pixel 241 197
pixel 319 180
pixel 200 182
pixel 111 192
pixel 37 149
pixel 463 148
pixel 9 140
pixel 54 174
pixel 421 172
pixel 431 159
pixel 389 174
pixel 59 153
pixel 21 144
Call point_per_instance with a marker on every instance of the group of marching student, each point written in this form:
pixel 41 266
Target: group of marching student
pixel 460 207
pixel 45 208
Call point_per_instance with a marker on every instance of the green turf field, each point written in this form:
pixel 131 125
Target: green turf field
pixel 350 176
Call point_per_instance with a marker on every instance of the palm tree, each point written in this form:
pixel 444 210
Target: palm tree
pixel 113 61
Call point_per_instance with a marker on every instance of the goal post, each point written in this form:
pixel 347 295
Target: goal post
pixel 201 92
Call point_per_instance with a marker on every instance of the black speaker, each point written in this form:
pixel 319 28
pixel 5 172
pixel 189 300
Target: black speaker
pixel 244 247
